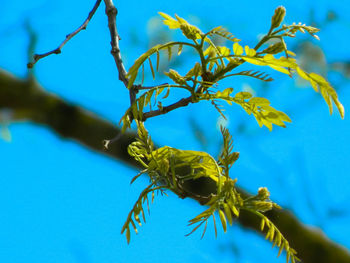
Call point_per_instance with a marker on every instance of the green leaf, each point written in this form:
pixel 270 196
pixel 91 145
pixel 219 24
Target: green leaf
pixel 133 71
pixel 203 163
pixel 158 91
pixel 137 176
pixel 188 30
pixel 215 229
pixel 228 213
pixel 237 49
pixel 157 67
pixel 254 74
pixel 205 228
pixel 327 91
pixel 195 228
pixel 234 210
pixel 127 234
pixel 169 21
pixel 223 220
pixel 280 250
pixel 259 101
pixel 179 50
pixel 275 48
pixel 281 64
pixel 259 107
pixel 170 52
pixel 262 224
pixel 151 66
pixel 220 31
pixel 148 97
pixel 143 74
pixel 210 52
pixel 224 94
pixel 175 76
pixel 243 95
pixel 250 52
pixel 194 72
pixel 167 93
pixel 133 223
pixel 223 51
pixel 290 53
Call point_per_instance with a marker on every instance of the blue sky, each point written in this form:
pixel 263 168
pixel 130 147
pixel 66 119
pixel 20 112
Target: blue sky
pixel 63 203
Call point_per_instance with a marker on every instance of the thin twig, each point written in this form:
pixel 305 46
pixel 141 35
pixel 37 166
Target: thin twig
pixel 111 12
pixel 37 57
pixel 33 39
pixel 181 103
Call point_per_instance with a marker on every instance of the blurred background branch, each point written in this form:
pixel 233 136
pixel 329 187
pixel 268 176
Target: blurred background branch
pixel 28 101
pixel 24 100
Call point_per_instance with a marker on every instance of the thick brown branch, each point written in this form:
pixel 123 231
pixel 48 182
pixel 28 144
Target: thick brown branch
pixel 37 57
pixel 28 101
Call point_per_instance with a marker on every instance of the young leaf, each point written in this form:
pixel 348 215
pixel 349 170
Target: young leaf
pixel 237 49
pixel 223 220
pixel 281 64
pixel 157 67
pixel 250 52
pixel 179 50
pixel 127 234
pixel 167 93
pixel 170 52
pixel 194 72
pixel 220 31
pixel 274 48
pixel 228 213
pixel 215 229
pixel 205 228
pixel 254 74
pixel 327 91
pixel 175 76
pixel 132 73
pixel 151 66
pixel 169 21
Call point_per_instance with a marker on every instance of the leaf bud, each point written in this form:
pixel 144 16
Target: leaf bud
pixel 191 32
pixel 278 16
pixel 263 193
pixel 263 206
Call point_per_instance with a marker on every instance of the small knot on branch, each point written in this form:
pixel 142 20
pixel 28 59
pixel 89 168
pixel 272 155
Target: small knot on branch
pixel 111 10
pixel 115 50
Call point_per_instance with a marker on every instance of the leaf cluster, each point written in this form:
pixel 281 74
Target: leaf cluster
pixel 170 168
pixel 216 63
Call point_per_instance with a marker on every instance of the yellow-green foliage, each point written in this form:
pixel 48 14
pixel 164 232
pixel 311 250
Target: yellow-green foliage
pixel 169 168
pixel 219 62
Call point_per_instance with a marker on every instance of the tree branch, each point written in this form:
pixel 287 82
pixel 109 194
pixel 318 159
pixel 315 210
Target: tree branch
pixel 37 57
pixel 28 101
pixel 111 12
pixel 181 103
